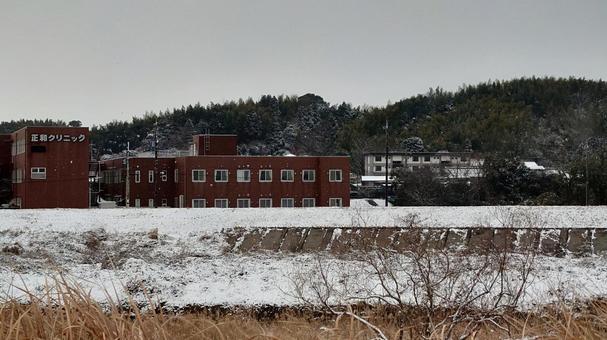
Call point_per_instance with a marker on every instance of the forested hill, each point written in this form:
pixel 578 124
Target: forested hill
pixel 545 119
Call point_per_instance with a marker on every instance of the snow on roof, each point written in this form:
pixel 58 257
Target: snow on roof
pixel 533 166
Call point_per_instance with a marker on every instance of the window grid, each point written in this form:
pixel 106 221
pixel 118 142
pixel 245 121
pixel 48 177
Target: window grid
pixel 221 203
pixel 335 202
pixel 287 175
pixel 243 203
pixel 243 175
pixel 221 175
pixel 308 202
pixel 287 202
pixel 335 175
pixel 265 203
pixel 38 173
pixel 265 175
pixel 199 175
pixel 199 203
pixel 308 175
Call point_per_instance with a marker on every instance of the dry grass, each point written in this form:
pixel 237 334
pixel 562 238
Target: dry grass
pixel 65 312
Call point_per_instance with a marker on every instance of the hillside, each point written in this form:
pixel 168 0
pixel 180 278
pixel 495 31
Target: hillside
pixel 545 119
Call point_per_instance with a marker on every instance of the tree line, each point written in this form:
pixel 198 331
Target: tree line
pixel 558 122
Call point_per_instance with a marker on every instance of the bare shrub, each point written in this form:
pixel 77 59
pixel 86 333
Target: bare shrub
pixel 452 290
pixel 153 234
pixel 15 249
pixel 518 217
pixel 93 239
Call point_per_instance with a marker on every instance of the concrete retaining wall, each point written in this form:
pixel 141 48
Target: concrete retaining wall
pixel 555 242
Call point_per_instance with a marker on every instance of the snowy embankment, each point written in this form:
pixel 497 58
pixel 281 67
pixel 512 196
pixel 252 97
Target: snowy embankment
pixel 184 264
pixel 184 221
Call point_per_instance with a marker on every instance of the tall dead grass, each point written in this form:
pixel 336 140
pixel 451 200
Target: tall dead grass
pixel 64 311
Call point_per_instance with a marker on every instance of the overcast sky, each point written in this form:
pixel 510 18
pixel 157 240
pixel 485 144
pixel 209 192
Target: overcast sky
pixel 112 59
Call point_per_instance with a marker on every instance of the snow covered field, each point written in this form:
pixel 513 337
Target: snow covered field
pixel 184 221
pixel 108 250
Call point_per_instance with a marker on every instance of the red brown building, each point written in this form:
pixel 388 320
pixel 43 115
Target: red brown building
pixel 214 175
pixel 48 167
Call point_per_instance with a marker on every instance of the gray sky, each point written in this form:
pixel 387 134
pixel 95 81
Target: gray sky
pixel 111 59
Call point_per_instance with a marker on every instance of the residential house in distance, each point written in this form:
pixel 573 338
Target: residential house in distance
pixel 447 165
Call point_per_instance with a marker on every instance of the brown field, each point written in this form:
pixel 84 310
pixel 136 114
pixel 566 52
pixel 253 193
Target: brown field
pixel 70 313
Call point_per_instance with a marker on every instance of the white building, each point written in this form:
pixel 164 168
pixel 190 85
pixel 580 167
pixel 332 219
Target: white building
pixel 446 164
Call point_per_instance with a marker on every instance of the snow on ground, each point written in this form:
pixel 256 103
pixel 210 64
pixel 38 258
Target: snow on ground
pixel 109 249
pixel 184 221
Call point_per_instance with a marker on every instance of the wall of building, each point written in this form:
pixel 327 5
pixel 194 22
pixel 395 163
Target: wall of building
pixel 160 188
pixel 209 190
pixel 214 145
pixel 64 153
pixel 179 189
pixel 5 168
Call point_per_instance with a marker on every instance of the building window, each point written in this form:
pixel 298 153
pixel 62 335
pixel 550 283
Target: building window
pixel 151 202
pixel 265 175
pixel 243 175
pixel 221 203
pixel 308 175
pixel 426 159
pixel 221 175
pixel 378 158
pixel 308 202
pixel 265 203
pixel 286 202
pixel 199 175
pixel 335 202
pixel 199 203
pixel 137 203
pixel 176 176
pixel 243 203
pixel 151 176
pixel 335 175
pixel 164 176
pixel 38 148
pixel 378 168
pixel 38 173
pixel 415 159
pixel 137 176
pixel 165 202
pixel 287 175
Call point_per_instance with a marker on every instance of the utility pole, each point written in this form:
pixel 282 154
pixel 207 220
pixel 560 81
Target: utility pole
pixel 156 163
pixel 386 188
pixel 586 154
pixel 128 175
